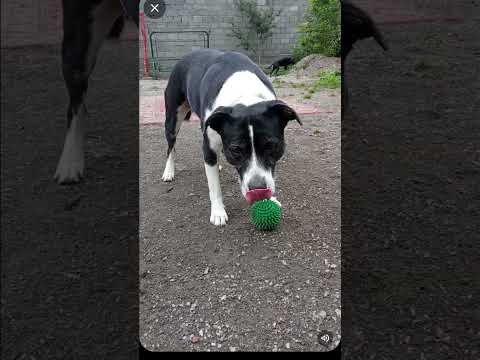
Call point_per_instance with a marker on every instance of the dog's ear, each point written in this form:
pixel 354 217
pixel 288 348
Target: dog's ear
pixel 217 119
pixel 284 112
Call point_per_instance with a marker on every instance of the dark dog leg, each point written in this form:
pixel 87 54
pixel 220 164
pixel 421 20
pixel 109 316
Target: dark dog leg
pixel 85 27
pixel 177 110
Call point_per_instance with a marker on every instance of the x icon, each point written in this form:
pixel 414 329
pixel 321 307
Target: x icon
pixel 154 9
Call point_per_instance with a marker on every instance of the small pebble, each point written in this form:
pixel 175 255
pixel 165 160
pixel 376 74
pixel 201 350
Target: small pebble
pixel 195 339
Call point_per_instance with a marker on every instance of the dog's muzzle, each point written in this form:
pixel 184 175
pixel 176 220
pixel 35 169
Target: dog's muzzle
pixel 258 194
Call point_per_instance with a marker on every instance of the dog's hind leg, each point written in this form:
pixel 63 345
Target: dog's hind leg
pixel 175 114
pixel 85 26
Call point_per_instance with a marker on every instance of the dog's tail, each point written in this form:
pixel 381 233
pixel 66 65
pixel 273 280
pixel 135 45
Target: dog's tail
pixel 117 28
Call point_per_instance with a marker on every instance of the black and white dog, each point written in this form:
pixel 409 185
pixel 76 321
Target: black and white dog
pixel 86 24
pixel 239 113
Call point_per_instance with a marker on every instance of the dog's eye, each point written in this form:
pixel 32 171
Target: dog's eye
pixel 274 150
pixel 272 146
pixel 235 149
pixel 236 152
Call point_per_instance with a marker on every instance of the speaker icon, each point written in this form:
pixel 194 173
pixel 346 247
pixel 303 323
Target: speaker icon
pixel 325 338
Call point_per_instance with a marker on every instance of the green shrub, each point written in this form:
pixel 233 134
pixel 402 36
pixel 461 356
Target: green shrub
pixel 253 27
pixel 321 32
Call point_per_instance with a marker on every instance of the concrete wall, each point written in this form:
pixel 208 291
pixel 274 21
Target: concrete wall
pixel 217 16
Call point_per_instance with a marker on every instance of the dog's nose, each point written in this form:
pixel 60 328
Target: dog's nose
pixel 257 182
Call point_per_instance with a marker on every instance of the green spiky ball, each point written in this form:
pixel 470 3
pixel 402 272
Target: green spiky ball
pixel 266 215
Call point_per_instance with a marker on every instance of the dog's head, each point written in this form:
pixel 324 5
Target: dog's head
pixel 253 139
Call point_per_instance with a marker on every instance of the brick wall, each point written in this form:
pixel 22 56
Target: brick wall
pixel 216 16
pixel 32 22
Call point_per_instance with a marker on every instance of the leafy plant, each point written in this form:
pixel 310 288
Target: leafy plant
pixel 254 26
pixel 328 79
pixel 321 31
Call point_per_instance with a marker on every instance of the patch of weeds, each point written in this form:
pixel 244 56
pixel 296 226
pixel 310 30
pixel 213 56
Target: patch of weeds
pixel 427 67
pixel 423 65
pixel 282 71
pixel 327 80
pixel 308 96
pixel 278 82
pixel 298 85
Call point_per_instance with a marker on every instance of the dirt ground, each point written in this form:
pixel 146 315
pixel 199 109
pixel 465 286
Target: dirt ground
pixel 205 288
pixel 410 167
pixel 66 250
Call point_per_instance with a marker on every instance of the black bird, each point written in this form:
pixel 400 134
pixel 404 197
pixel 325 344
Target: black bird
pixel 357 25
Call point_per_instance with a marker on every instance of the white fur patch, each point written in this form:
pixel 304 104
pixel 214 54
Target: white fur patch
pixel 242 87
pixel 218 215
pixel 71 164
pixel 169 172
pixel 255 169
pixel 214 140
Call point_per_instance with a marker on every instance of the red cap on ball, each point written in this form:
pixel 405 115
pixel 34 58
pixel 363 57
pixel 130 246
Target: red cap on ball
pixel 258 194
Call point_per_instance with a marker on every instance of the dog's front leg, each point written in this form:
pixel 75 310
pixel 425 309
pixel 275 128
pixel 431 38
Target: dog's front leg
pixel 218 215
pixel 212 145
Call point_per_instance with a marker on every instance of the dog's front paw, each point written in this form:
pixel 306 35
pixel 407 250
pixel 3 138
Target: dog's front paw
pixel 70 167
pixel 168 175
pixel 169 172
pixel 218 215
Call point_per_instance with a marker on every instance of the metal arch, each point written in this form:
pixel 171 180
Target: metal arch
pixel 156 59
